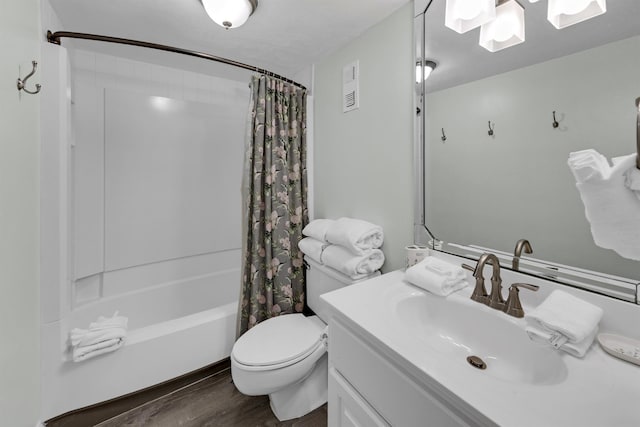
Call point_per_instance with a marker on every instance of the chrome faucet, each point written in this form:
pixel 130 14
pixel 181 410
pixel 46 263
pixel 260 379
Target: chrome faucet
pixel 494 299
pixel 517 252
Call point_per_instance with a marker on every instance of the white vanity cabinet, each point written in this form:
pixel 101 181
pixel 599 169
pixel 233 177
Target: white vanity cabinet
pixel 366 388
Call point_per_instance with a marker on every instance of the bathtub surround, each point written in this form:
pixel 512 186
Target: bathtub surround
pixel 362 158
pixel 19 190
pixel 142 240
pixel 275 202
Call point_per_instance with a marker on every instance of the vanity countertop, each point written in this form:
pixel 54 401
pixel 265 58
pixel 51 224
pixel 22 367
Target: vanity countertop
pixel 597 390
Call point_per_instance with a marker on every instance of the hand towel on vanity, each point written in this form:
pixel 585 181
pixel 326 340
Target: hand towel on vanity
pixel 357 235
pixel 318 229
pixel 103 336
pixel 561 342
pixel 611 207
pixel 354 266
pixel 313 248
pixel 565 322
pixel 437 276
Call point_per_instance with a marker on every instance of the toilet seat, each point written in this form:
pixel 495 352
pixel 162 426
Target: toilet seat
pixel 279 342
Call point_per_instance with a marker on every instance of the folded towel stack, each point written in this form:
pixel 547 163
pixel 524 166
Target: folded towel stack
pixel 103 336
pixel 611 199
pixel 564 322
pixel 437 276
pixel 349 246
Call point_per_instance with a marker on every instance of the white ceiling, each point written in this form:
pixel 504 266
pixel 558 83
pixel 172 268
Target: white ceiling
pixel 283 36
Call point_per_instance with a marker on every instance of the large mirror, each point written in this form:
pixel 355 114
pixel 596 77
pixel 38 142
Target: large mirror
pixel 494 132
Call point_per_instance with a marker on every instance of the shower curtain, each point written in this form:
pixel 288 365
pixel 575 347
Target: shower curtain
pixel 275 202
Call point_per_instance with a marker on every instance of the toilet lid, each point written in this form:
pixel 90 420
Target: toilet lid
pixel 278 340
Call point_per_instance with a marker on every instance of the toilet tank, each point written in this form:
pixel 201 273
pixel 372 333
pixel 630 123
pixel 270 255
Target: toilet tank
pixel 322 279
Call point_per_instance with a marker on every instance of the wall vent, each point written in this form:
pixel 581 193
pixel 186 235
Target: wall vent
pixel 350 87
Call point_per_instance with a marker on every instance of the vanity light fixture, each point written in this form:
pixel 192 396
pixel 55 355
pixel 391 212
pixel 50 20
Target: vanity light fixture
pixel 564 13
pixel 464 15
pixel 428 68
pixel 229 13
pixel 506 30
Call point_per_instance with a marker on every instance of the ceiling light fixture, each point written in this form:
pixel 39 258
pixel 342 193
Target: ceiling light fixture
pixel 501 22
pixel 464 15
pixel 229 13
pixel 428 68
pixel 564 13
pixel 506 30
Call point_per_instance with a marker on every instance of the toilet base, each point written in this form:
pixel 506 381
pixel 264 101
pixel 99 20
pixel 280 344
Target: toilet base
pixel 304 396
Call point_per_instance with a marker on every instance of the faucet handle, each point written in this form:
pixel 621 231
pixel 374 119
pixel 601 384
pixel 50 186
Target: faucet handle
pixel 467 267
pixel 479 292
pixel 513 307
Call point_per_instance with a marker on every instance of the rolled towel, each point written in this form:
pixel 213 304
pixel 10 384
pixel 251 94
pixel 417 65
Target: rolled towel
pixel 313 248
pixel 354 266
pixel 560 342
pixel 86 337
pixel 82 353
pixel 318 229
pixel 114 321
pixel 356 235
pixel 564 319
pixel 437 276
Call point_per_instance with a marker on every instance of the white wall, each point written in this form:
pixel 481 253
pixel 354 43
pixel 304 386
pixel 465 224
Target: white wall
pixel 19 144
pixel 363 165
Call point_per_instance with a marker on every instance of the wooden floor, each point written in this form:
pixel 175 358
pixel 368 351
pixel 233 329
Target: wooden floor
pixel 212 401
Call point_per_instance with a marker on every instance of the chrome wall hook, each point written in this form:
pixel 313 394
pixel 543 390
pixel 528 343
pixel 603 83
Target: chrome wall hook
pixel 21 83
pixel 490 132
pixel 443 138
pixel 555 123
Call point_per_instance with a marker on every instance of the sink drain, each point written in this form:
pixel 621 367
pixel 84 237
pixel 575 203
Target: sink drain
pixel 476 362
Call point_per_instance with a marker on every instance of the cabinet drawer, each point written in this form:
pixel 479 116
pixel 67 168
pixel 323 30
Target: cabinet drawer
pixel 346 406
pixel 391 392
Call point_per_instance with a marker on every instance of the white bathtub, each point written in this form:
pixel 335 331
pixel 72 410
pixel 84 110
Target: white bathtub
pixel 175 327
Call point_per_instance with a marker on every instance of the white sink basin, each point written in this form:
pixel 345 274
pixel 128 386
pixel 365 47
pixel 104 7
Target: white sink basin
pixel 458 327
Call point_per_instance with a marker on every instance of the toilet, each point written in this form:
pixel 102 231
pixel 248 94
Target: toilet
pixel 286 356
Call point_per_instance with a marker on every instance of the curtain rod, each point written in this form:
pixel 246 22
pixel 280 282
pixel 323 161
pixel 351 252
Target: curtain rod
pixel 55 39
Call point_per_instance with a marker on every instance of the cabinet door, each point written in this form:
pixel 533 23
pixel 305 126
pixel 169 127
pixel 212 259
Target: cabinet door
pixel 347 408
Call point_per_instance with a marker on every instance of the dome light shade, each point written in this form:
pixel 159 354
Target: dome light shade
pixel 229 13
pixel 428 67
pixel 506 30
pixel 563 13
pixel 464 15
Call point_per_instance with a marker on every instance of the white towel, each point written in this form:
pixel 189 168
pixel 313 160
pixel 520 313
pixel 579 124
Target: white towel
pixel 437 276
pixel 313 248
pixel 82 353
pixel 632 180
pixel 560 342
pixel 354 266
pixel 104 335
pixel 612 209
pixel 114 321
pixel 565 321
pixel 317 229
pixel 85 337
pixel 356 235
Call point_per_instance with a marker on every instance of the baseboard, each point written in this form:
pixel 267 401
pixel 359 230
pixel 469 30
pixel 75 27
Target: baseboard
pixel 95 414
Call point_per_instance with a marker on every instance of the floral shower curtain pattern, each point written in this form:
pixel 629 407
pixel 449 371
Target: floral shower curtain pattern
pixel 275 202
